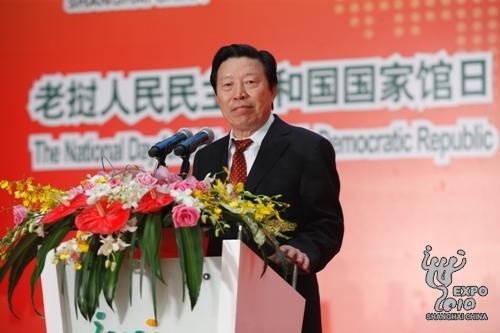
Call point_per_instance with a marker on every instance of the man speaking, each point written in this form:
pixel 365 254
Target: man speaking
pixel 272 157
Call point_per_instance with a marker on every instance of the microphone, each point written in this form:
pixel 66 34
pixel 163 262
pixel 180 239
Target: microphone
pixel 186 147
pixel 165 146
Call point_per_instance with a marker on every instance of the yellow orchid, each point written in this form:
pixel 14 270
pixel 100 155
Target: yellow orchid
pixel 83 246
pixel 34 197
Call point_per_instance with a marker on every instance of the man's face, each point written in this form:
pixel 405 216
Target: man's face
pixel 244 95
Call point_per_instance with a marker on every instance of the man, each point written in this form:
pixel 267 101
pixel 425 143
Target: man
pixel 279 159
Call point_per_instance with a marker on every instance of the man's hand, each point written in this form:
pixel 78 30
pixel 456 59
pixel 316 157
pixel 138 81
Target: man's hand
pixel 293 256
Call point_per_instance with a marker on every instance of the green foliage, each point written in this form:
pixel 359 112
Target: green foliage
pixel 149 243
pixel 89 280
pixel 57 233
pixel 190 246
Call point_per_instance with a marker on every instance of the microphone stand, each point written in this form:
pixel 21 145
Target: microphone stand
pixel 160 160
pixel 186 166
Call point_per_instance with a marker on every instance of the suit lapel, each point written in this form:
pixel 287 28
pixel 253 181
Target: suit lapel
pixel 219 159
pixel 273 146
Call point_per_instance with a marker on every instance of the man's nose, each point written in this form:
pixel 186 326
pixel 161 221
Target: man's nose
pixel 240 92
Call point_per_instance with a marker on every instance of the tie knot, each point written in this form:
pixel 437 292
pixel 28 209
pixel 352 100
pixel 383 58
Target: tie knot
pixel 242 145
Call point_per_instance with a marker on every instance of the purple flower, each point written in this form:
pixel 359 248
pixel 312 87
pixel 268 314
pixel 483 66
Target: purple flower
pixel 20 214
pixel 185 216
pixel 164 176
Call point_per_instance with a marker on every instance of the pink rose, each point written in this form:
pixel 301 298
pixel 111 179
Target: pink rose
pixel 193 183
pixel 145 179
pixel 202 186
pixel 185 216
pixel 190 183
pixel 20 214
pixel 180 185
pixel 172 177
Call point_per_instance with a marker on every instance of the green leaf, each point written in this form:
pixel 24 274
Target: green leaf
pixel 131 259
pixel 62 277
pixel 150 252
pixel 190 246
pixel 52 240
pixel 168 221
pixel 111 279
pixel 153 293
pixel 95 285
pixel 141 275
pixel 88 280
pixel 180 247
pixel 78 283
pixel 24 243
pixel 150 244
pixel 266 261
pixel 17 270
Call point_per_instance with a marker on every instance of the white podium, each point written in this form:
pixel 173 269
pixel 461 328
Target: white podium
pixel 234 298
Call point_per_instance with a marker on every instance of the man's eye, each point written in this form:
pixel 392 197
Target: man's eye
pixel 228 84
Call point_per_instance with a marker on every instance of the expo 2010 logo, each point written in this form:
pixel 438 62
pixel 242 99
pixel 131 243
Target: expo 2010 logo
pixel 460 304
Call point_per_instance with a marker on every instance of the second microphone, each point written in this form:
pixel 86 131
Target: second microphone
pixel 186 147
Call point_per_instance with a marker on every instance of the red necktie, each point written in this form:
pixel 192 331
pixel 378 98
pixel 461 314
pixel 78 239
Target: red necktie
pixel 238 171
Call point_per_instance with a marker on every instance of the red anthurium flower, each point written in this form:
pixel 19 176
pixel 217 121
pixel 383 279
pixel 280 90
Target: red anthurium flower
pixel 153 201
pixel 102 218
pixel 64 209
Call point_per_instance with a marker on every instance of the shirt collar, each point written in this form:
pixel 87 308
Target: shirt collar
pixel 258 136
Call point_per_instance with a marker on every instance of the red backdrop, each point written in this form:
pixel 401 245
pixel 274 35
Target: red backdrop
pixel 435 192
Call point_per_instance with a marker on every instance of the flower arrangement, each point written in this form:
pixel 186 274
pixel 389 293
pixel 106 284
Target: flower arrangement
pixel 114 213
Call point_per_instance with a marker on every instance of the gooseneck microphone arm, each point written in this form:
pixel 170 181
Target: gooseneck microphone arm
pixel 161 149
pixel 188 146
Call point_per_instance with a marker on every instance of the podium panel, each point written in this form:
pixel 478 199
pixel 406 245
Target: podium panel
pixel 233 299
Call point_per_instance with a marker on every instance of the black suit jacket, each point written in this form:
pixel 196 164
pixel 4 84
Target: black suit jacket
pixel 299 165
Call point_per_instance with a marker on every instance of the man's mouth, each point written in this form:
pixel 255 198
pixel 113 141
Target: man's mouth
pixel 241 107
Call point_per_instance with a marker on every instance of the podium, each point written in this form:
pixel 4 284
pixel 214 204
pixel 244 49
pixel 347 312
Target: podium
pixel 234 298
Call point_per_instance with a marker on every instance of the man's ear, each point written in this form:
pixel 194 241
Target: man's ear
pixel 274 90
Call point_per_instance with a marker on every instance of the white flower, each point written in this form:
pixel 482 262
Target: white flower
pixel 163 188
pixel 130 226
pixel 97 192
pixel 229 188
pixel 110 244
pixel 97 179
pixel 73 192
pixel 67 252
pixel 183 197
pixel 131 193
pixel 39 231
pixel 209 179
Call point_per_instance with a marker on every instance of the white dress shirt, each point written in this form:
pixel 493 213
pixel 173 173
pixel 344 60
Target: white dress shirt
pixel 251 152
